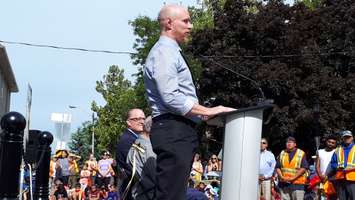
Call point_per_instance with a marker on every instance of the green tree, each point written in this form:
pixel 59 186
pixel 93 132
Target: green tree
pixel 312 4
pixel 81 142
pixel 120 96
pixel 302 58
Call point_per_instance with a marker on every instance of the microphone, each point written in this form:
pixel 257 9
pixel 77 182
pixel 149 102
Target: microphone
pixel 262 99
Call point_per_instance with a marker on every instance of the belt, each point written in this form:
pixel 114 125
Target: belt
pixel 169 116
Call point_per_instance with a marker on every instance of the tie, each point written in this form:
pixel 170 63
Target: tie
pixel 187 63
pixel 184 57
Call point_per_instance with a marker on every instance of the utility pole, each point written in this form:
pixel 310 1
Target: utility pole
pixel 93 134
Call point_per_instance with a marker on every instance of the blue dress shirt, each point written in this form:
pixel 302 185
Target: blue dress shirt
pixel 267 164
pixel 168 80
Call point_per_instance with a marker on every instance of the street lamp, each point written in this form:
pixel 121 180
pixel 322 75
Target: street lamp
pixel 316 116
pixel 92 127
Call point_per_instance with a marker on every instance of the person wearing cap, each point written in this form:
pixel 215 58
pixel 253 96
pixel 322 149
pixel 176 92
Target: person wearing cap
pixel 62 165
pixel 73 169
pixel 291 169
pixel 343 165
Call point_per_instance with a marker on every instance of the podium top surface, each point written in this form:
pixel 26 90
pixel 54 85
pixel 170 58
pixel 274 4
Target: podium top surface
pixel 219 119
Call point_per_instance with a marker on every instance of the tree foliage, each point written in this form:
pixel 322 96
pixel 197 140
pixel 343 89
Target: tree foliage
pixel 147 33
pixel 119 96
pixel 301 57
pixel 81 142
pixel 312 4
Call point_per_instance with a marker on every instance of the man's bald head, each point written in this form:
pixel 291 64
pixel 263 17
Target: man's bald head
pixel 170 11
pixel 175 22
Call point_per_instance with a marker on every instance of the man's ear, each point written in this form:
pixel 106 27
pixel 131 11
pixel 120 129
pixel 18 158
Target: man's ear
pixel 169 23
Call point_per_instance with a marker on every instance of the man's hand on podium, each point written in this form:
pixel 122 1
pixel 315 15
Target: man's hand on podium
pixel 216 111
pixel 207 113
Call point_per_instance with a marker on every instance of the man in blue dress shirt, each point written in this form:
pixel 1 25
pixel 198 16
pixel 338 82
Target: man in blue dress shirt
pixel 175 108
pixel 266 170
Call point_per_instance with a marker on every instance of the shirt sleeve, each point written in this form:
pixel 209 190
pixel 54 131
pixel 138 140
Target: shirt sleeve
pixel 334 162
pixel 165 73
pixel 304 163
pixel 278 163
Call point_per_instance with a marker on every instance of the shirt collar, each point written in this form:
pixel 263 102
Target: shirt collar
pixel 135 134
pixel 294 150
pixel 348 147
pixel 169 41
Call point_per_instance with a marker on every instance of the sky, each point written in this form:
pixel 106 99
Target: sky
pixel 60 78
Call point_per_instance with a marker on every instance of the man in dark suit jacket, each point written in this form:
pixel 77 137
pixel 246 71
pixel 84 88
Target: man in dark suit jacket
pixel 135 123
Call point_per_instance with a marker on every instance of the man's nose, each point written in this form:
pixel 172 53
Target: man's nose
pixel 190 25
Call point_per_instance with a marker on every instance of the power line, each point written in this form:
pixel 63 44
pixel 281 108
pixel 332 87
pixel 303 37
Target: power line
pixel 67 48
pixel 283 55
pixel 206 56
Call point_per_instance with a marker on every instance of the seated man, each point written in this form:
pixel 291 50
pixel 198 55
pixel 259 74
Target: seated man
pixel 135 122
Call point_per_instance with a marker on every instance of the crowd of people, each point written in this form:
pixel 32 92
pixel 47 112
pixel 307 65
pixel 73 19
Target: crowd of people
pixel 288 176
pixel 93 180
pixel 291 177
pixel 131 175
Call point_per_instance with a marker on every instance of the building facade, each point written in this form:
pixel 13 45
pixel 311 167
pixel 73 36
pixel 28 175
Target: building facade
pixel 8 83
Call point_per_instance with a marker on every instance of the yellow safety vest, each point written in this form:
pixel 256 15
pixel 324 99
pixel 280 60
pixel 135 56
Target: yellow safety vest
pixel 348 172
pixel 289 169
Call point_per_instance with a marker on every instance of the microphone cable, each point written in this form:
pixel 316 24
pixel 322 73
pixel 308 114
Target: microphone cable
pixel 257 84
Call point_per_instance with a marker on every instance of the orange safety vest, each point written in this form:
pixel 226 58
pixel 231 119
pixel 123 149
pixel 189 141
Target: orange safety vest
pixel 289 169
pixel 348 172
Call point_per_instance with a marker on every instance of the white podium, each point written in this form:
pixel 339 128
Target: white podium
pixel 241 152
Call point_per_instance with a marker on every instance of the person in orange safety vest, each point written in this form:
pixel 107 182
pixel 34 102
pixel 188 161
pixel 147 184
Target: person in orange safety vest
pixel 342 165
pixel 291 168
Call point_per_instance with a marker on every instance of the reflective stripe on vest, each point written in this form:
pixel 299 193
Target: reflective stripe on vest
pixel 347 172
pixel 289 169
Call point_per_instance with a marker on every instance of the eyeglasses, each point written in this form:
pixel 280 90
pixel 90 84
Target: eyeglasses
pixel 214 158
pixel 263 142
pixel 137 119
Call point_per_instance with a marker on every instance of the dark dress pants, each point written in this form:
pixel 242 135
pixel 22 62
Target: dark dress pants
pixel 175 142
